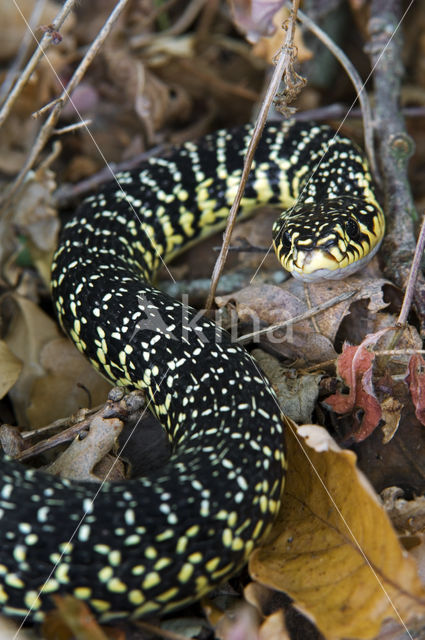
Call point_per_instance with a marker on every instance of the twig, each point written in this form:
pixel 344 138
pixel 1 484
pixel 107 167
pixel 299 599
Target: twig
pixel 158 631
pixel 357 83
pixel 398 352
pixel 413 275
pixel 302 316
pixel 334 111
pixel 62 423
pixel 24 47
pixel 395 145
pixel 282 66
pixel 184 21
pixel 48 127
pixel 43 45
pixel 72 127
pixel 44 109
pixel 244 248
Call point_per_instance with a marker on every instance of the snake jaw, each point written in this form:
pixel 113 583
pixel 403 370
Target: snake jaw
pixel 306 263
pixel 325 266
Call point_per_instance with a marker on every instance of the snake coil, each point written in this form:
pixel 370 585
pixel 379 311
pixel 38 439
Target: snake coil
pixel 153 544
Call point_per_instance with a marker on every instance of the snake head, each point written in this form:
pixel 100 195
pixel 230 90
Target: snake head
pixel 330 239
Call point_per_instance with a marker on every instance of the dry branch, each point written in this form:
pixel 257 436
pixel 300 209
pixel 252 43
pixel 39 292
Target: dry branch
pixel 395 145
pixel 282 67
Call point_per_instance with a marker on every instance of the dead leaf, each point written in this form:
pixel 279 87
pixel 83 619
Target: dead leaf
pixel 13 25
pixel 335 552
pixel 240 622
pixel 68 384
pixel 311 339
pixel 74 615
pixel 270 609
pixel 408 516
pixel 297 392
pixel 255 18
pixel 35 216
pixel 10 368
pixel 416 381
pixel 48 386
pixel 391 414
pixel 79 459
pixel 261 21
pixel 10 630
pixel 274 627
pixel 354 366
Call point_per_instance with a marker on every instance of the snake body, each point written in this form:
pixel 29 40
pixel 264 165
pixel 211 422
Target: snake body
pixel 151 545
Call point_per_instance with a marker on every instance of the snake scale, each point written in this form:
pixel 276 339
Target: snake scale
pixel 151 545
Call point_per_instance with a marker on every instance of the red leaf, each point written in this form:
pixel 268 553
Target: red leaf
pixel 354 366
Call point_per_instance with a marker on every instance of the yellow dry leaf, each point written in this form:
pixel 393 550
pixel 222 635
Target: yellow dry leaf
pixel 336 553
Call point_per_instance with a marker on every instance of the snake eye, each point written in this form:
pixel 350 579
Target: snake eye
pixel 285 241
pixel 352 228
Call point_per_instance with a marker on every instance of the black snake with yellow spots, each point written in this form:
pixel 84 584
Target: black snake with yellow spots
pixel 159 542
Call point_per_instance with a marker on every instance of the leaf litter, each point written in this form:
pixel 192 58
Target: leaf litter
pixel 141 95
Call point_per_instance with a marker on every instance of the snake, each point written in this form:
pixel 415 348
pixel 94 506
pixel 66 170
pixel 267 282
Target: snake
pixel 151 545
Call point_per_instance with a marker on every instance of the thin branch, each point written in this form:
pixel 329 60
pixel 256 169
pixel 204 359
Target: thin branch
pixel 302 316
pixel 337 111
pixel 395 145
pixel 413 275
pixel 27 41
pixel 282 66
pixel 184 21
pixel 72 127
pixel 49 125
pixel 357 83
pixel 43 45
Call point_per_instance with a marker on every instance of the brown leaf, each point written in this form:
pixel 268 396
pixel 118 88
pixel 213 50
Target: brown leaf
pixel 72 615
pixel 391 414
pixel 13 26
pixel 274 627
pixel 416 381
pixel 10 368
pixel 255 17
pixel 48 386
pixel 261 22
pixel 36 217
pixel 311 339
pixel 354 366
pixel 68 383
pixel 408 516
pixel 270 609
pixel 79 459
pixel 336 553
pixel 297 393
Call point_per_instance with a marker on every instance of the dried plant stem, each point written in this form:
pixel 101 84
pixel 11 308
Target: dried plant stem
pixel 281 67
pixel 302 316
pixel 24 47
pixel 49 125
pixel 395 145
pixel 43 45
pixel 358 84
pixel 83 124
pixel 184 21
pixel 413 275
